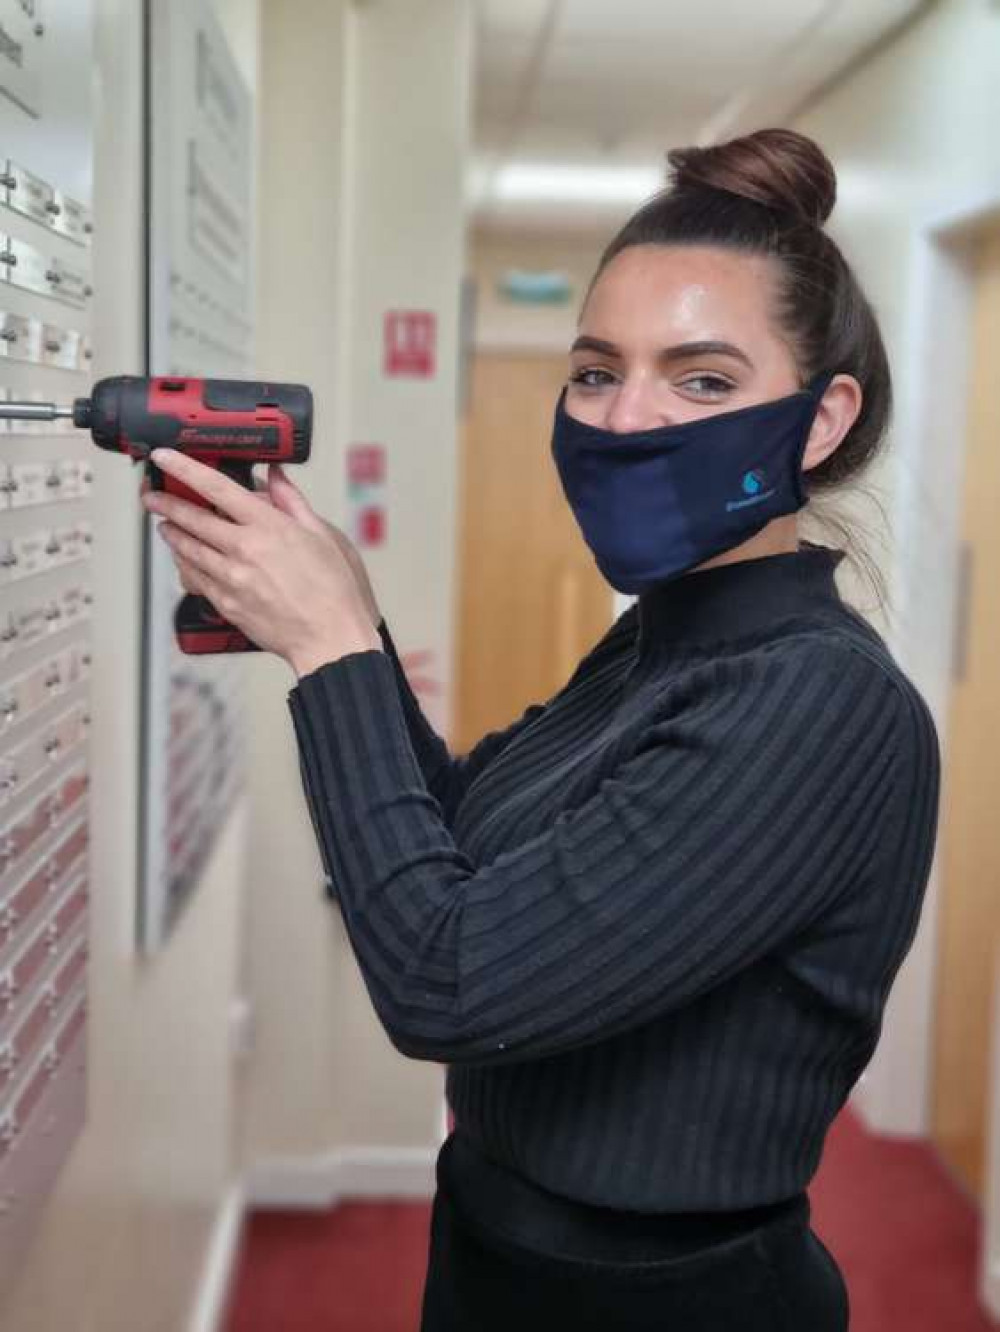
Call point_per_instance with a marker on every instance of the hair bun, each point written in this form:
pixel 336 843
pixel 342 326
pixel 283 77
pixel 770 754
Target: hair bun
pixel 778 168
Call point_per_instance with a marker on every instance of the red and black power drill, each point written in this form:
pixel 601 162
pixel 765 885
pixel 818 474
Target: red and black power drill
pixel 229 424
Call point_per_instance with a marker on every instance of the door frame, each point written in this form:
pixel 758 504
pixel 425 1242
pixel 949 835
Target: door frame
pixel 894 1093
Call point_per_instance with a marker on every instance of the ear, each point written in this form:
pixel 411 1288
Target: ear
pixel 837 412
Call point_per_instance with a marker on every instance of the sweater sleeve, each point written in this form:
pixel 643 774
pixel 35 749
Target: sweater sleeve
pixel 750 806
pixel 448 777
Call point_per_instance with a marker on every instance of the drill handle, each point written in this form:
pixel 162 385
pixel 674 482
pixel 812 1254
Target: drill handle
pixel 198 627
pixel 159 480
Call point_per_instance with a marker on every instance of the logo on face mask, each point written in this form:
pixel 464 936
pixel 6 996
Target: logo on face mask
pixel 754 482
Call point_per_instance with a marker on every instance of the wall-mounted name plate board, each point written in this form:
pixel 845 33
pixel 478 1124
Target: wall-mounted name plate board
pixel 200 324
pixel 46 541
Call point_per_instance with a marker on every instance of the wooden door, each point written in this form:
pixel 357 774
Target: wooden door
pixel 970 812
pixel 531 601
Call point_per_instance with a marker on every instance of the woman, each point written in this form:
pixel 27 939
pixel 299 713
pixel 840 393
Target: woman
pixel 651 927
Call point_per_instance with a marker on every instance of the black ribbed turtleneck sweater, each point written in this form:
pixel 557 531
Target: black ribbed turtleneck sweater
pixel 651 926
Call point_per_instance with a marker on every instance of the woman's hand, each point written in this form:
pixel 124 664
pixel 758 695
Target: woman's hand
pixel 286 496
pixel 287 585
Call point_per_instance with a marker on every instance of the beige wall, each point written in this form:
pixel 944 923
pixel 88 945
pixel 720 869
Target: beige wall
pixel 373 223
pixel 140 1229
pixel 407 144
pixel 292 1105
pixel 506 325
pixel 124 1237
pixel 913 135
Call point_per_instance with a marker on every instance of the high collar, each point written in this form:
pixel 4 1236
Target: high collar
pixel 732 600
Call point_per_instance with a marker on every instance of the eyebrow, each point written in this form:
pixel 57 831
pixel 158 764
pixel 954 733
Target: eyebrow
pixel 680 352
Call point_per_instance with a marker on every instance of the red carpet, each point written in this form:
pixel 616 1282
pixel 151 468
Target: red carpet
pixel 905 1237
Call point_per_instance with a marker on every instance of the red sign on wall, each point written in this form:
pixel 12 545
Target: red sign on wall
pixel 365 465
pixel 366 494
pixel 371 526
pixel 410 338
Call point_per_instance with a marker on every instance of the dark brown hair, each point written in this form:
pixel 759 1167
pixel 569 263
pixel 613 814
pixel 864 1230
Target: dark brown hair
pixel 770 193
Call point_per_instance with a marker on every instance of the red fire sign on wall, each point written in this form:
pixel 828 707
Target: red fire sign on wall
pixel 410 339
pixel 366 494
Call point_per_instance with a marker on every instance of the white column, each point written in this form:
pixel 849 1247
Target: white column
pixel 363 132
pixel 406 136
pixel 405 161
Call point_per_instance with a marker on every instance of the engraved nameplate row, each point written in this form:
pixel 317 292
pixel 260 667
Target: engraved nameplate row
pixel 22 907
pixel 41 1023
pixel 43 947
pixel 27 834
pixel 22 265
pixel 43 549
pixel 43 955
pixel 31 483
pixel 31 1087
pixel 22 765
pixel 24 625
pixel 47 534
pixel 26 694
pixel 206 328
pixel 31 196
pixel 24 338
pixel 206 755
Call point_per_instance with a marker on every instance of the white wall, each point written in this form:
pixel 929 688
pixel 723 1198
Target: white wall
pixel 913 136
pixel 124 1237
pixel 408 140
pixel 503 325
pixel 294 1084
pixel 141 1228
pixel 363 119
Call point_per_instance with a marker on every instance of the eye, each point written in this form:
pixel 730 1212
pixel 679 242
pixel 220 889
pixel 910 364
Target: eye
pixel 592 377
pixel 711 384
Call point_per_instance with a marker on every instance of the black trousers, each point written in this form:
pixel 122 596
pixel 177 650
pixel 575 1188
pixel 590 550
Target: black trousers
pixel 508 1257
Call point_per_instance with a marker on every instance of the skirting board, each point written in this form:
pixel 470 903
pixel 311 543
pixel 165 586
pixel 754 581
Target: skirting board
pixel 989 1290
pixel 355 1172
pixel 315 1183
pixel 223 1247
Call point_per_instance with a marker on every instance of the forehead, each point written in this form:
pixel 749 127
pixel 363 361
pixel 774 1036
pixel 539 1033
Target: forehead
pixel 679 291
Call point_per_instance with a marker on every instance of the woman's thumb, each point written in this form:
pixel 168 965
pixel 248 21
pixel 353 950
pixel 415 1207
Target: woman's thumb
pixel 287 497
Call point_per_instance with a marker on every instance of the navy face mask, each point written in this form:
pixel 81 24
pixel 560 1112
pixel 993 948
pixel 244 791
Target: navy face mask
pixel 654 503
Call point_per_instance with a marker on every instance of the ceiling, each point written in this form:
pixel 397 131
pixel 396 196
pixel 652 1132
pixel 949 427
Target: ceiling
pixel 576 101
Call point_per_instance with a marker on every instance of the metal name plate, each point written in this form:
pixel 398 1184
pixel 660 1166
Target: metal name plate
pixel 25 266
pixel 31 270
pixel 64 348
pixel 29 195
pixel 23 338
pixel 67 282
pixel 21 35
pixel 27 481
pixel 23 485
pixel 25 625
pixel 71 220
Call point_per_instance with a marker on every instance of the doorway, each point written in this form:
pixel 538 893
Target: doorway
pixel 531 600
pixel 969 919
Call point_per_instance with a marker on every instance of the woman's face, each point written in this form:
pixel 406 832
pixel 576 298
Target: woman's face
pixel 674 333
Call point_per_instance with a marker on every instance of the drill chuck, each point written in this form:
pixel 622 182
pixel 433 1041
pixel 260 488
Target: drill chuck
pixel 83 413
